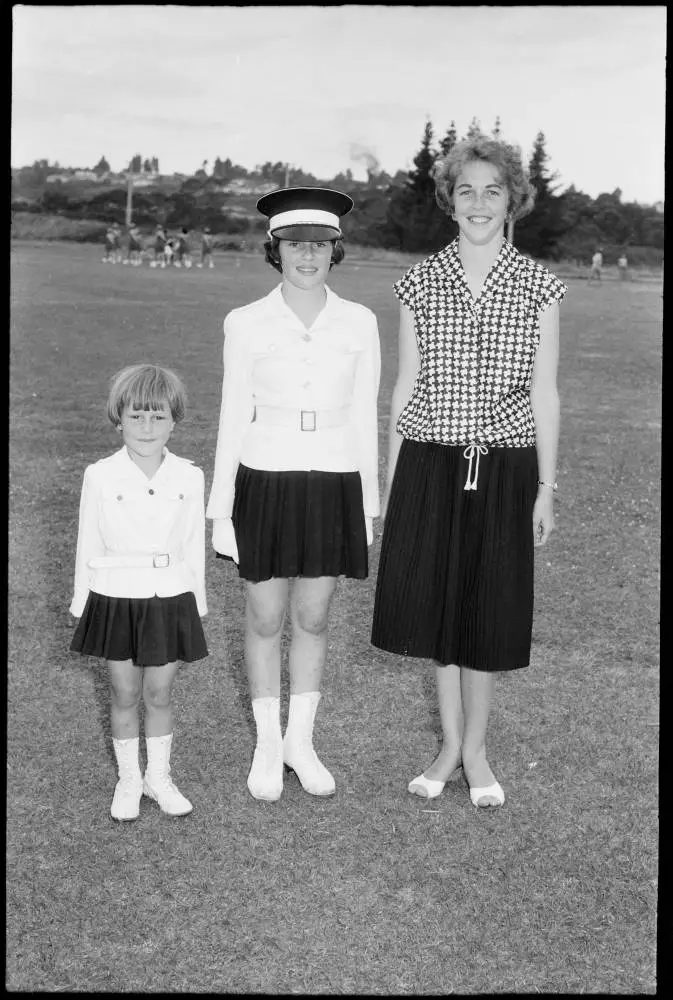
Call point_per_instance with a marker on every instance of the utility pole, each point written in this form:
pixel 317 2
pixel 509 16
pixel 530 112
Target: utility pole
pixel 129 200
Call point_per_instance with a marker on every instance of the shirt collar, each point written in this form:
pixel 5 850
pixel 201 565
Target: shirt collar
pixel 277 303
pixel 124 460
pixel 448 264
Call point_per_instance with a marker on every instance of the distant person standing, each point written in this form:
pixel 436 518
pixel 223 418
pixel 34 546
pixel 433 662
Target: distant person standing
pixel 135 249
pixel 169 251
pixel 206 248
pixel 623 267
pixel 110 252
pixel 160 239
pixel 183 256
pixel 117 244
pixel 596 266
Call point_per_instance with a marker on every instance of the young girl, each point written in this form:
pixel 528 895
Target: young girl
pixel 140 577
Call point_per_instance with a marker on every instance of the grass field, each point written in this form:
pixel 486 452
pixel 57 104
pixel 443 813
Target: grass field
pixel 374 891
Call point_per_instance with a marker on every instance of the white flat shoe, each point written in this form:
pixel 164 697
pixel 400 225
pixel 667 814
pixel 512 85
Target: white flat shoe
pixel 427 788
pixel 493 791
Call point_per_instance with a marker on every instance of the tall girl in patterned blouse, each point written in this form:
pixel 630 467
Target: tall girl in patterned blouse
pixel 295 486
pixel 473 438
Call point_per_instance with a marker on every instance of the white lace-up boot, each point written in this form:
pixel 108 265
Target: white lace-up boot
pixel 265 780
pixel 157 783
pixel 298 752
pixel 129 788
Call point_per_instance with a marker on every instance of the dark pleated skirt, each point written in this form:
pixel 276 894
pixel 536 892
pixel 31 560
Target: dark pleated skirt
pixel 151 631
pixel 455 577
pixel 298 523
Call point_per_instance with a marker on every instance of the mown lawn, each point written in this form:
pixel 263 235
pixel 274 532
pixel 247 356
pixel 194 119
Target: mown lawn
pixel 374 891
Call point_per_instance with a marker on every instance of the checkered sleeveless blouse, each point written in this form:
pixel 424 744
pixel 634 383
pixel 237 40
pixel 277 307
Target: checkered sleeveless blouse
pixel 473 386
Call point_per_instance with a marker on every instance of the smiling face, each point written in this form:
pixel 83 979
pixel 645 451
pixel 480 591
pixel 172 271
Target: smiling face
pixel 480 203
pixel 305 264
pixel 145 433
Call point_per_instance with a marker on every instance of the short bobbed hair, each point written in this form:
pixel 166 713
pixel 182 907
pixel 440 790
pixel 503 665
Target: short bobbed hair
pixel 503 156
pixel 272 254
pixel 146 387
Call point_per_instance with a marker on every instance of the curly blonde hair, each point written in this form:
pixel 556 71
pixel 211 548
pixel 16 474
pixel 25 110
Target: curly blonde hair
pixel 504 157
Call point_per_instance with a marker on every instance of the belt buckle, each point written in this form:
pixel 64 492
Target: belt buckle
pixel 312 415
pixel 161 560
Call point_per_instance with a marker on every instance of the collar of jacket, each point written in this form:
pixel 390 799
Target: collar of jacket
pixel 276 301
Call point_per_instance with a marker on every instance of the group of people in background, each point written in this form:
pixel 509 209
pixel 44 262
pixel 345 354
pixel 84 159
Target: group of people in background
pixel 598 263
pixel 468 495
pixel 162 250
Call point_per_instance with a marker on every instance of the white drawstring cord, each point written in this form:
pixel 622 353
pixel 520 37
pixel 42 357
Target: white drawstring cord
pixel 469 453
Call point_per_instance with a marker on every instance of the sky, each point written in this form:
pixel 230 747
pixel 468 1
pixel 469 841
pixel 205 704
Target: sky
pixel 327 88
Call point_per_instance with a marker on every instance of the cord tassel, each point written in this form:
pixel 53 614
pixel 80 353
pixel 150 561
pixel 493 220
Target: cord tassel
pixel 469 453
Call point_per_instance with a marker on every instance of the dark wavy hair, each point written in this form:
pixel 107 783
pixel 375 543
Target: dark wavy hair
pixel 271 255
pixel 505 157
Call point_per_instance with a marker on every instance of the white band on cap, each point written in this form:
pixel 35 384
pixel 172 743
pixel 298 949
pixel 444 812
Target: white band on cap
pixel 304 217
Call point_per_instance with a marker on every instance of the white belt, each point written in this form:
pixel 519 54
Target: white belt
pixel 469 453
pixel 160 560
pixel 301 420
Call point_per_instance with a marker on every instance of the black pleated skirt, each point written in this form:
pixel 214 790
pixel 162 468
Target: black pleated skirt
pixel 455 577
pixel 151 631
pixel 299 523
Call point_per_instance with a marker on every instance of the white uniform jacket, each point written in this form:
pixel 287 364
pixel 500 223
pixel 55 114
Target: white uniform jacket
pixel 122 512
pixel 272 360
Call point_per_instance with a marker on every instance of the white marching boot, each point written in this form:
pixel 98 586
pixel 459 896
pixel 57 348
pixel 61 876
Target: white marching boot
pixel 298 752
pixel 129 788
pixel 265 780
pixel 157 783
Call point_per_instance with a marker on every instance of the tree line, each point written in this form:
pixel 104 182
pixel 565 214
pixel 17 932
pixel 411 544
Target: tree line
pixel 391 211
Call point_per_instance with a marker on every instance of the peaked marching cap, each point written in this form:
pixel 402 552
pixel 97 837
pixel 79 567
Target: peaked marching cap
pixel 305 213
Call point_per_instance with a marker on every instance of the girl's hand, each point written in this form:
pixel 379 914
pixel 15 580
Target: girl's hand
pixel 224 538
pixel 543 516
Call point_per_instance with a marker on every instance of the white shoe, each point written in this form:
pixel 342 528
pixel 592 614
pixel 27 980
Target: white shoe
pixel 157 782
pixel 298 752
pixel 265 780
pixel 169 798
pixel 427 788
pixel 493 791
pixel 312 773
pixel 126 801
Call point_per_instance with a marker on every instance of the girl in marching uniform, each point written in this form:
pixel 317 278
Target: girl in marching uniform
pixel 139 589
pixel 295 484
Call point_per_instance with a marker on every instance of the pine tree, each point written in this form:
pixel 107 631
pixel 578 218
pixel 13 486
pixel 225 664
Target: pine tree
pixel 474 129
pixel 449 140
pixel 415 221
pixel 497 128
pixel 539 232
pixel 102 167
